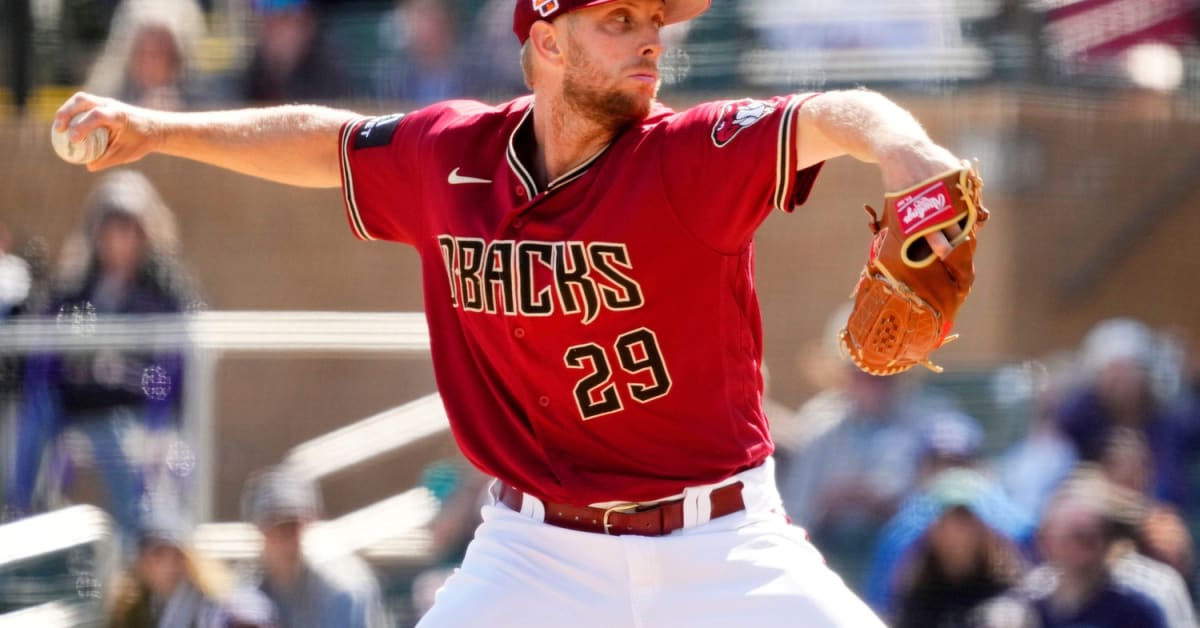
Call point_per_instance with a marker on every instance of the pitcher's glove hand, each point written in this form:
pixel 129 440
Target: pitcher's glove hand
pixel 908 296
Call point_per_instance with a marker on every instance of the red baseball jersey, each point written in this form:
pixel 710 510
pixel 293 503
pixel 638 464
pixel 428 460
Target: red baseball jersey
pixel 598 338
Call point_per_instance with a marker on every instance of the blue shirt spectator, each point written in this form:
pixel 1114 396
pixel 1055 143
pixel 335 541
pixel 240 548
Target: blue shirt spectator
pixel 950 488
pixel 340 591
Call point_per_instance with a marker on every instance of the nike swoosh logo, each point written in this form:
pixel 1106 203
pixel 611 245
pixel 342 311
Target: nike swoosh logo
pixel 457 179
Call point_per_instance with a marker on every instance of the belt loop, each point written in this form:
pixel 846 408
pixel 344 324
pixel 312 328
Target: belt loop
pixel 697 506
pixel 532 507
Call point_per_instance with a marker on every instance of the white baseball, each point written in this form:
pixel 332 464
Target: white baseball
pixel 87 150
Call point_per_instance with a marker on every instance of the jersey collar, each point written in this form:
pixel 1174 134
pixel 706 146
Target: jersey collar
pixel 521 142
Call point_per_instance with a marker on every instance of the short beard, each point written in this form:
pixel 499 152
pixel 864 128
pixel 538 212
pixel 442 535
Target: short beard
pixel 610 109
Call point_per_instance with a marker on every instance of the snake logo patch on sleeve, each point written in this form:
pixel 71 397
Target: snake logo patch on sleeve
pixel 737 115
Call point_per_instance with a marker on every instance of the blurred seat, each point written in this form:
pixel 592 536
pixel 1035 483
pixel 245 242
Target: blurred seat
pixel 840 42
pixel 55 565
pixel 388 533
pixel 56 614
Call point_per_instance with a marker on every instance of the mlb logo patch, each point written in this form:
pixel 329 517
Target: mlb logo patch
pixel 545 7
pixel 377 131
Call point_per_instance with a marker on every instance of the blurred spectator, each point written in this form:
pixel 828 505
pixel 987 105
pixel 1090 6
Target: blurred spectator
pixel 1119 357
pixel 16 281
pixel 1076 587
pixel 149 57
pixel 461 491
pixel 825 374
pixel 859 455
pixel 293 59
pixel 491 50
pixel 1032 468
pixel 1156 527
pixel 124 403
pixel 1125 512
pixel 1156 581
pixel 846 24
pixel 306 593
pixel 170 586
pixel 15 277
pixel 857 459
pixel 958 564
pixel 903 544
pixel 424 65
pixel 949 440
pixel 1013 34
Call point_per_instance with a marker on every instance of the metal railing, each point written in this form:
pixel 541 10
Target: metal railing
pixel 220 331
pixel 391 531
pixel 66 594
pixel 56 614
pixel 55 531
pixel 204 337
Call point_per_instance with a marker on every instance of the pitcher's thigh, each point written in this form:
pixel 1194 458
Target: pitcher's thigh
pixel 522 573
pixel 762 575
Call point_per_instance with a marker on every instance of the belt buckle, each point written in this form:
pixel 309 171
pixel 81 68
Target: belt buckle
pixel 630 507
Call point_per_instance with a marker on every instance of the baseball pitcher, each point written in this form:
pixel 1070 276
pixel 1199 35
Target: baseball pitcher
pixel 587 263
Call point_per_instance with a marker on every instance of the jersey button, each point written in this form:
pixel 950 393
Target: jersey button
pixel 543 401
pixel 519 332
pixel 517 223
pixel 520 190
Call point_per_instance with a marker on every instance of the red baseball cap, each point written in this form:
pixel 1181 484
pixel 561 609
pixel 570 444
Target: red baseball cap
pixel 529 11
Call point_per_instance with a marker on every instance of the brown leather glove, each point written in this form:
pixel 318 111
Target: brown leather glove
pixel 907 296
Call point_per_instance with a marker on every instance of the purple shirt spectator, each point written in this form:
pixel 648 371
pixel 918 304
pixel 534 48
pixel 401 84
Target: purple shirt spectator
pixel 1114 607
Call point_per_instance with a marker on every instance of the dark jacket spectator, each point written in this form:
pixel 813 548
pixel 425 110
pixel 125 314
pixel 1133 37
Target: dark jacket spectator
pixel 1076 586
pixel 293 59
pixel 924 544
pixel 121 261
pixel 1119 356
pixel 961 563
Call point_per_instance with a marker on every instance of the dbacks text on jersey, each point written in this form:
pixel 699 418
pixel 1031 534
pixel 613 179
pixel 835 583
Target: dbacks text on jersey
pixel 535 278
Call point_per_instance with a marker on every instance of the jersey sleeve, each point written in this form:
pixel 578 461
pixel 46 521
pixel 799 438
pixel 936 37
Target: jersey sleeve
pixel 727 164
pixel 381 177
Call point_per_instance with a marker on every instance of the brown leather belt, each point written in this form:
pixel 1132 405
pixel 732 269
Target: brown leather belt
pixel 657 520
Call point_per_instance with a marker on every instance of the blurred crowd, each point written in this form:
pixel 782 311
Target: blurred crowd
pixel 1081 512
pixel 1085 518
pixel 115 411
pixel 188 54
pixel 1076 505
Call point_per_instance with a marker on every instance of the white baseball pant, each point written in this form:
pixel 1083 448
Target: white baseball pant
pixel 746 569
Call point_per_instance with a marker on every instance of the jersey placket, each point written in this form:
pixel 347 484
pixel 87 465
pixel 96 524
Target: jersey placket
pixel 527 195
pixel 526 188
